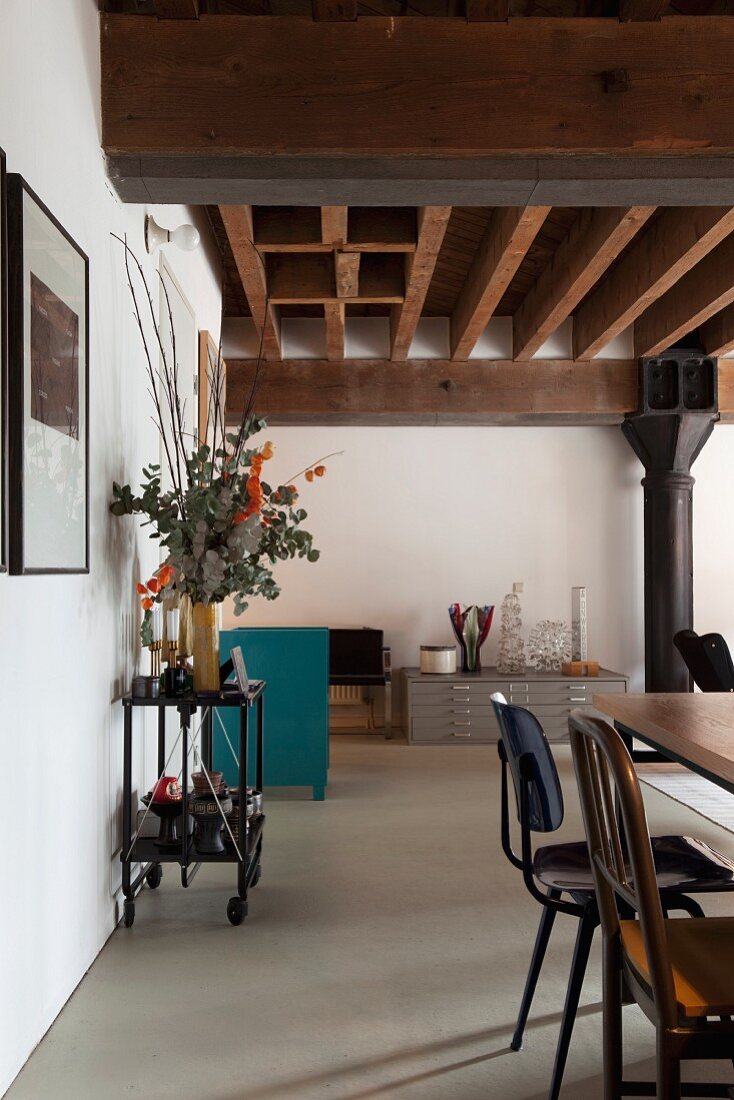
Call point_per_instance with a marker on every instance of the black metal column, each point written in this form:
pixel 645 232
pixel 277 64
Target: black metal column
pixel 678 410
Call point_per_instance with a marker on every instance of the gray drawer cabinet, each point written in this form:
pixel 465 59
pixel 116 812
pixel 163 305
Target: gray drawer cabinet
pixel 456 709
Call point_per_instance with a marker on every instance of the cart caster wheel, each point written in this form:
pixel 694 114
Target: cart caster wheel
pixel 128 913
pixel 257 876
pixel 154 876
pixel 236 910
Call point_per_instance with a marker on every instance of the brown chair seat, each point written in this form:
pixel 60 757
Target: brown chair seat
pixel 702 959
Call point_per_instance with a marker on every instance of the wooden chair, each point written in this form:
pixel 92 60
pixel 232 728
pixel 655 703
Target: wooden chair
pixel 680 971
pixel 708 659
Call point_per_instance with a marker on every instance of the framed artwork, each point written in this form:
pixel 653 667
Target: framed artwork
pixel 3 362
pixel 240 671
pixel 48 390
pixel 212 372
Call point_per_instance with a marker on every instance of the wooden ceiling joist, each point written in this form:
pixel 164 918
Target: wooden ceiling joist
pixel 419 269
pixel 438 391
pixel 319 229
pixel 310 278
pixel 334 225
pixel 697 296
pixel 717 334
pixel 346 266
pixel 508 237
pixel 593 242
pixel 675 242
pixel 237 221
pixel 334 317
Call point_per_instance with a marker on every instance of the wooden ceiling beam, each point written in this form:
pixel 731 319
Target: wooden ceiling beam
pixel 346 266
pixel 237 221
pixel 310 278
pixel 702 292
pixel 675 242
pixel 585 253
pixel 419 268
pixel 334 317
pixel 530 87
pixel 334 225
pixel 509 235
pixel 717 334
pixel 436 391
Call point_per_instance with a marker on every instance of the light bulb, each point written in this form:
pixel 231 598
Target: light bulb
pixel 185 237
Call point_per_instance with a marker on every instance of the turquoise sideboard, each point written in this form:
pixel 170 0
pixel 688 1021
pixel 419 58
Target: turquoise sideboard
pixel 295 663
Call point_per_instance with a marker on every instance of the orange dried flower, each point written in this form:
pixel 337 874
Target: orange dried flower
pixel 147 603
pixel 320 471
pixel 309 475
pixel 154 585
pixel 267 450
pixel 141 589
pixel 166 574
pixel 239 517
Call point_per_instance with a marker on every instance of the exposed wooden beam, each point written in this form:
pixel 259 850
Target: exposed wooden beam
pixel 492 11
pixel 339 11
pixel 641 10
pixel 698 295
pixel 334 225
pixel 531 87
pixel 592 243
pixel 677 240
pixel 334 317
pixel 419 268
pixel 717 334
pixel 310 278
pixel 237 222
pixel 433 391
pixel 508 237
pixel 346 267
pixel 177 9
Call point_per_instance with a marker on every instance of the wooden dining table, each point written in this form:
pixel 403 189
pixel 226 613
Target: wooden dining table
pixel 696 730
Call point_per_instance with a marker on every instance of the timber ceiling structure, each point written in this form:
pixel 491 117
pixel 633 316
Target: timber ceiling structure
pixel 582 152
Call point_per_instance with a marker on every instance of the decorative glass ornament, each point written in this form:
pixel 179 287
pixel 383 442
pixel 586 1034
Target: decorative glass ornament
pixel 471 627
pixel 511 653
pixel 549 645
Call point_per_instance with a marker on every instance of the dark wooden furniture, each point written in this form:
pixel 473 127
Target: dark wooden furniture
pixel 141 855
pixel 358 657
pixel 680 972
pixel 693 729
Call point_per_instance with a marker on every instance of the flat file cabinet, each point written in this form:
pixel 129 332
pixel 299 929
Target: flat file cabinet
pixel 456 708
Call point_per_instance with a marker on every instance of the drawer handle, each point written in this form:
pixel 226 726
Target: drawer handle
pixel 578 698
pixel 455 711
pixel 461 723
pixel 454 734
pixel 459 687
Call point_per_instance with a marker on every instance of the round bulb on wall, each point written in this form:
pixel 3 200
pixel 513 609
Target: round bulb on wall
pixel 185 237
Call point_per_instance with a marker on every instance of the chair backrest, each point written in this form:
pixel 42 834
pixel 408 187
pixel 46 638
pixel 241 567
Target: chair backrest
pixel 524 740
pixel 604 768
pixel 708 659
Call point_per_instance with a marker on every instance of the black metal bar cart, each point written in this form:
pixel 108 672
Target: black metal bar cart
pixel 143 855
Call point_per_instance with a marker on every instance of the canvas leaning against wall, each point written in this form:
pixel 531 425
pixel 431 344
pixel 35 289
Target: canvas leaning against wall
pixel 48 384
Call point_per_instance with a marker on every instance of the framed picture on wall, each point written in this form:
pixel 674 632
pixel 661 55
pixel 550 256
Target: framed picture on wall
pixel 3 361
pixel 48 390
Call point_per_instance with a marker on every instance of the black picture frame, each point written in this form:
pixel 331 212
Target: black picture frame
pixel 21 559
pixel 3 366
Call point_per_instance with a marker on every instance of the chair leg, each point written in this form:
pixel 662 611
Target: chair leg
pixel 547 918
pixel 584 936
pixel 671 902
pixel 667 1071
pixel 612 1027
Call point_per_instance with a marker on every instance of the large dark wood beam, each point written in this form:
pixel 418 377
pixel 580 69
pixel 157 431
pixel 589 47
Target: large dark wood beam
pixel 508 236
pixel 592 243
pixel 697 296
pixel 673 244
pixel 205 102
pixel 434 391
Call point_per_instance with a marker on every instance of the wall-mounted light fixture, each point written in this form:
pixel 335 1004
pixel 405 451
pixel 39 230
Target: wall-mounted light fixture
pixel 185 237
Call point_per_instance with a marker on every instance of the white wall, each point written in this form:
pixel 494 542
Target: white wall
pixel 66 642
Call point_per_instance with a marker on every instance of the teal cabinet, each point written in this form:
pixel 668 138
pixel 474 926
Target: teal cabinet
pixel 295 663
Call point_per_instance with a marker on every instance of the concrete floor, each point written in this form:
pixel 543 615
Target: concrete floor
pixel 384 956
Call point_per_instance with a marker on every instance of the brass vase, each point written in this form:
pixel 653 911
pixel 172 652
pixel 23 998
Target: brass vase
pixel 206 647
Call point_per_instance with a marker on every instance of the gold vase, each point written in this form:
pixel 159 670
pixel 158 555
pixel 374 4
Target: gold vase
pixel 206 647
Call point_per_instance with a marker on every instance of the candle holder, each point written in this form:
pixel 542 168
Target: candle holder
pixel 155 659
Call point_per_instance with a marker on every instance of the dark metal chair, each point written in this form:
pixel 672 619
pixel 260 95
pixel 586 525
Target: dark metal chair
pixel 708 660
pixel 683 865
pixel 680 972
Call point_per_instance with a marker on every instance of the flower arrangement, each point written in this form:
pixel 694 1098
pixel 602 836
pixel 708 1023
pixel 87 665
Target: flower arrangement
pixel 221 525
pixel 150 594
